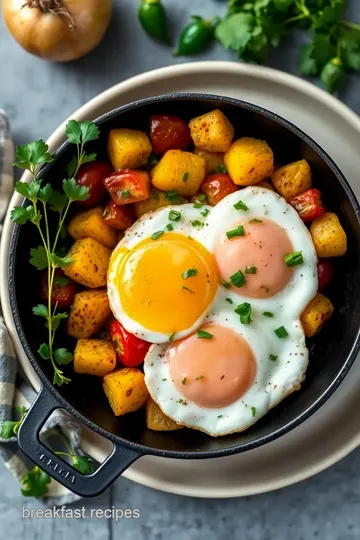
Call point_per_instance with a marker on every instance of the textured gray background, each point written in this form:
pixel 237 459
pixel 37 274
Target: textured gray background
pixel 37 97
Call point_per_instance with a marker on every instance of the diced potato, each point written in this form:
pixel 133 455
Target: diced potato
pixel 266 184
pixel 90 262
pixel 249 161
pixel 316 313
pixel 128 148
pixel 157 200
pixel 94 357
pixel 212 131
pixel 90 224
pixel 126 390
pixel 157 420
pixel 328 236
pixel 179 171
pixel 292 179
pixel 88 313
pixel 213 160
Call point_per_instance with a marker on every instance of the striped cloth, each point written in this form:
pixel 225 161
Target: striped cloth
pixel 15 390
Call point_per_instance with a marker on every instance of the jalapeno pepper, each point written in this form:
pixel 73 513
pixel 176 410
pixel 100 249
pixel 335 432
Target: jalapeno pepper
pixel 130 349
pixel 196 36
pixel 309 205
pixel 152 17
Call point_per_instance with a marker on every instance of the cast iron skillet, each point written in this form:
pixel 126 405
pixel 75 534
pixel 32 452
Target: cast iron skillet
pixel 332 352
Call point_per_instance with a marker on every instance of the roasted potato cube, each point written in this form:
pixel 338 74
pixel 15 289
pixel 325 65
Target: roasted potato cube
pixel 90 262
pixel 179 171
pixel 157 420
pixel 158 199
pixel 126 390
pixel 249 161
pixel 94 357
pixel 212 132
pixel 90 224
pixel 266 184
pixel 316 313
pixel 328 236
pixel 292 179
pixel 128 148
pixel 213 160
pixel 88 313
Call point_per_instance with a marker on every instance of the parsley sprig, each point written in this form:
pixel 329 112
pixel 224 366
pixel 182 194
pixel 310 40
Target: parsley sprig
pixel 42 199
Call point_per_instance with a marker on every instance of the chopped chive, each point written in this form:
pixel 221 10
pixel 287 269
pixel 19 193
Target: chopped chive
pixel 239 231
pixel 172 336
pixel 189 290
pixel 199 377
pixel 202 334
pixel 294 259
pixel 229 301
pixel 225 284
pixel 220 416
pixel 157 235
pixel 272 357
pixel 180 401
pixel 238 279
pixel 183 381
pixel 125 194
pixel 221 169
pixel 253 411
pixel 205 212
pixel 173 197
pixel 164 379
pixel 255 220
pixel 281 332
pixel 169 227
pixel 174 215
pixel 250 270
pixel 202 197
pixel 268 314
pixel 241 206
pixel 189 273
pixel 197 223
pixel 185 177
pixel 198 205
pixel 244 310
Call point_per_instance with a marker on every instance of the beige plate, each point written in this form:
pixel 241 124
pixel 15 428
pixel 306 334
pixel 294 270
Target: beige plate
pixel 334 430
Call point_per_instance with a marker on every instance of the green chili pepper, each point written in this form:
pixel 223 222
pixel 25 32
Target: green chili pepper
pixel 152 17
pixel 196 36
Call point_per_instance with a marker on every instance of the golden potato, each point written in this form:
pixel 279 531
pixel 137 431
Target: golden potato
pixel 128 148
pixel 94 357
pixel 292 179
pixel 249 161
pixel 90 224
pixel 126 390
pixel 266 184
pixel 90 262
pixel 157 420
pixel 328 236
pixel 213 160
pixel 179 171
pixel 316 313
pixel 88 313
pixel 212 131
pixel 158 199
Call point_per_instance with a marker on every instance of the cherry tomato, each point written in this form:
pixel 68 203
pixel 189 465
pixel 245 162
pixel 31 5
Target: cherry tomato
pixel 130 349
pixel 217 186
pixel 63 291
pixel 325 273
pixel 119 217
pixel 309 205
pixel 128 186
pixel 91 175
pixel 169 133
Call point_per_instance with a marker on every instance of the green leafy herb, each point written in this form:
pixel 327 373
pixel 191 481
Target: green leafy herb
pixel 157 235
pixel 197 223
pixel 202 198
pixel 225 284
pixel 191 272
pixel 281 332
pixel 255 220
pixel 32 154
pixel 220 415
pixel 238 279
pixel 239 231
pixel 174 215
pixel 294 259
pixel 172 336
pixel 35 483
pixel 221 169
pixel 268 314
pixel 61 281
pixel 83 464
pixel 169 227
pixel 205 212
pixel 272 357
pixel 229 301
pixel 185 177
pixel 10 428
pixel 125 194
pixel 244 310
pixel 241 206
pixel 253 411
pixel 183 381
pixel 202 334
pixel 198 205
pixel 173 197
pixel 250 270
pixel 39 258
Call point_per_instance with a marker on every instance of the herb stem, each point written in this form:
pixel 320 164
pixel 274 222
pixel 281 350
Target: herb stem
pixel 294 19
pixel 61 223
pixel 352 25
pixel 66 443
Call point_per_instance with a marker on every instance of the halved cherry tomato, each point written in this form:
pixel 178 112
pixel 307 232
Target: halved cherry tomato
pixel 130 349
pixel 217 186
pixel 169 133
pixel 309 205
pixel 91 175
pixel 63 291
pixel 325 273
pixel 128 186
pixel 119 217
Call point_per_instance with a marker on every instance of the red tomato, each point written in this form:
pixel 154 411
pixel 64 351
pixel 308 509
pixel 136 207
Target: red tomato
pixel 63 291
pixel 128 186
pixel 130 349
pixel 91 175
pixel 309 205
pixel 325 273
pixel 119 217
pixel 169 133
pixel 217 186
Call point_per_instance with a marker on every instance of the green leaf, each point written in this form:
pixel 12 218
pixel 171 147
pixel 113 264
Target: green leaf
pixel 321 50
pixel 59 378
pixel 308 65
pixel 283 5
pixel 35 483
pixel 22 188
pixel 332 75
pixel 88 158
pixel 74 191
pixel 60 261
pixel 22 411
pixel 350 50
pixel 83 464
pixel 45 193
pixel 61 281
pixel 32 154
pixel 329 16
pixel 89 131
pixel 39 257
pixel 235 31
pixel 71 166
pixel 58 201
pixel 44 351
pixel 73 131
pixel 41 311
pixel 7 429
pixel 63 356
pixel 56 319
pixel 21 215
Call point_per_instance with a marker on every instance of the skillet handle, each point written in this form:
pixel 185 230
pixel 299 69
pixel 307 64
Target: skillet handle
pixel 84 485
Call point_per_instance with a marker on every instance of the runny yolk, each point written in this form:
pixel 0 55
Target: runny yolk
pixel 263 246
pixel 155 290
pixel 212 372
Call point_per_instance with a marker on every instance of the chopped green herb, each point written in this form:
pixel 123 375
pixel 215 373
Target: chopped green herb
pixel 229 301
pixel 220 416
pixel 238 279
pixel 197 223
pixel 198 205
pixel 266 289
pixel 185 177
pixel 250 270
pixel 244 310
pixel 239 231
pixel 225 284
pixel 157 235
pixel 180 401
pixel 241 206
pixel 255 220
pixel 164 379
pixel 174 215
pixel 125 194
pixel 202 197
pixel 221 169
pixel 272 357
pixel 281 332
pixel 202 334
pixel 169 227
pixel 189 290
pixel 172 336
pixel 253 411
pixel 268 314
pixel 294 259
pixel 205 212
pixel 183 381
pixel 191 272
pixel 199 377
pixel 173 197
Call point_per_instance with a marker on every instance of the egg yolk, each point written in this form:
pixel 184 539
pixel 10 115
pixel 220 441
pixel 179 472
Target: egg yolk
pixel 212 372
pixel 166 284
pixel 259 254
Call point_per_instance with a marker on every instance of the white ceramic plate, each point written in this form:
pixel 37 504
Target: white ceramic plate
pixel 334 430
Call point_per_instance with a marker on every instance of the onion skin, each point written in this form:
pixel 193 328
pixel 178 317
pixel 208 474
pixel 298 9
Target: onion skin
pixel 50 36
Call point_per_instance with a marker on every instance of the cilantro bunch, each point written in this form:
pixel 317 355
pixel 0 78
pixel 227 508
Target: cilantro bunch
pixel 252 27
pixel 40 200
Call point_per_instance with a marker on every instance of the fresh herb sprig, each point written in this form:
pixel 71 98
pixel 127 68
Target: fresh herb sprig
pixel 41 200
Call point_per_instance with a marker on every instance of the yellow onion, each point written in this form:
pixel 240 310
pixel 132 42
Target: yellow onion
pixel 57 30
